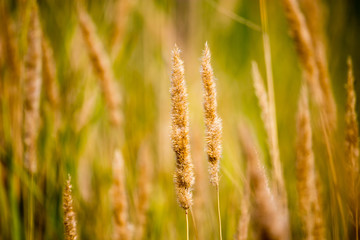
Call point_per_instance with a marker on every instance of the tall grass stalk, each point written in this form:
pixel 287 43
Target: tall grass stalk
pixel 278 175
pixel 213 125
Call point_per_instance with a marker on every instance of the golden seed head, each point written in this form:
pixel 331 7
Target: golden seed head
pixel 213 122
pixel 184 174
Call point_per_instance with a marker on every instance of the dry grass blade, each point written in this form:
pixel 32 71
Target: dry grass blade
pixel 270 220
pixel 184 175
pixel 32 90
pixel 69 214
pixel 121 230
pixel 102 66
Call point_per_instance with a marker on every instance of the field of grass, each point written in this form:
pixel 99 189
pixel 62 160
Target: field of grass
pixel 93 95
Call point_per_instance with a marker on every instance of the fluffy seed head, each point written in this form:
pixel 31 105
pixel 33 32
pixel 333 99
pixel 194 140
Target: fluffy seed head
pixel 212 120
pixel 184 175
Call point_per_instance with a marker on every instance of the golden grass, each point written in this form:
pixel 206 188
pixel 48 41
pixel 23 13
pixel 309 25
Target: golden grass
pixel 184 175
pixel 212 120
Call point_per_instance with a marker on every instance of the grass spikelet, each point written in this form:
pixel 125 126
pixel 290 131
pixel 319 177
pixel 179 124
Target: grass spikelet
pixel 49 74
pixel 272 223
pixel 212 120
pixel 32 90
pixel 69 213
pixel 352 143
pixel 144 189
pixel 305 169
pixel 304 47
pixel 120 205
pixel 102 66
pixel 184 175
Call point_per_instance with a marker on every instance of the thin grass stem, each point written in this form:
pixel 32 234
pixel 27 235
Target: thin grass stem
pixel 218 208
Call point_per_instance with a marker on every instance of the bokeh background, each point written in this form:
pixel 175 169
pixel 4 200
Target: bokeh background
pixel 138 37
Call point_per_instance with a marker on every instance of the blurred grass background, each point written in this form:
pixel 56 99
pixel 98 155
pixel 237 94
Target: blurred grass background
pixel 139 35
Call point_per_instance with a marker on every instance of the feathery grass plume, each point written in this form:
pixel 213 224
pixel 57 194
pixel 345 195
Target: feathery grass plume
pixel 243 225
pixel 315 22
pixel 184 174
pixel 212 120
pixel 32 90
pixel 102 66
pixel 272 223
pixel 144 189
pixel 352 143
pixel 121 230
pixel 305 170
pixel 304 47
pixel 49 74
pixel 69 213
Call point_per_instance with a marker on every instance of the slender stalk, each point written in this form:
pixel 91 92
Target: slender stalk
pixel 218 208
pixel 357 222
pixel 187 224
